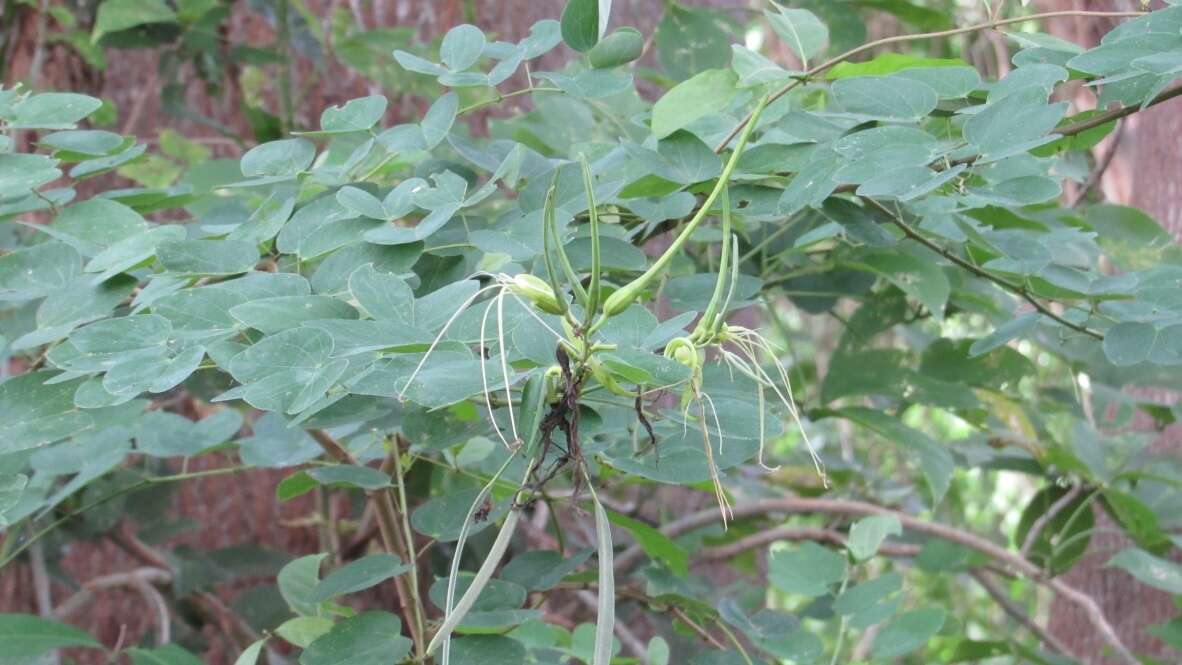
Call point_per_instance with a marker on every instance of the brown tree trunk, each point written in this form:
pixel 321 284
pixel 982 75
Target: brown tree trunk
pixel 1147 174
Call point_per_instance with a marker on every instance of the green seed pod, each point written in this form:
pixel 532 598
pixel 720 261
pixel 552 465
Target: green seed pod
pixel 620 299
pixel 537 291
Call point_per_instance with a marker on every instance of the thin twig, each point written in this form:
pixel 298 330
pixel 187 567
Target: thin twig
pixel 1012 560
pixel 681 616
pixel 400 444
pixel 208 604
pixel 1016 289
pixel 392 541
pixel 765 537
pixel 1040 524
pixel 1115 114
pixel 82 597
pixel 899 39
pixel 1101 166
pixel 1015 612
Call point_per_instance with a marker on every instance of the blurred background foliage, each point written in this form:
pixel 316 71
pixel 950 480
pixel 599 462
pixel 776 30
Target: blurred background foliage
pixel 201 81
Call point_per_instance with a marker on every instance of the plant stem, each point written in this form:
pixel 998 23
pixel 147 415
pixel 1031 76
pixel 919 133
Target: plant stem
pixel 730 635
pixel 633 288
pixel 400 480
pixel 388 529
pixel 1001 555
pixel 593 218
pixel 15 552
pixel 1115 114
pixel 1008 606
pixel 283 36
pixel 845 620
pixel 899 39
pixel 1004 283
pixel 502 97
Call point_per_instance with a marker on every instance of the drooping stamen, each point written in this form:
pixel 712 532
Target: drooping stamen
pixel 452 319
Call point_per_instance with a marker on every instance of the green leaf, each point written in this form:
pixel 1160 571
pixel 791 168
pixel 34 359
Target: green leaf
pixel 934 459
pixel 910 631
pixel 807 571
pixel 363 477
pixel 297 484
pixel 116 15
pixel 885 97
pixel 96 224
pixel 303 631
pixel 654 543
pixel 370 638
pixel 355 115
pixel 37 271
pixel 163 434
pixel 169 654
pixel 250 655
pixel 923 18
pixel 620 47
pixel 691 40
pixel 287 157
pixel 868 534
pixel 272 315
pixel 1018 122
pixel 871 601
pixel 1003 334
pixel 1129 236
pixel 54 110
pixel 1138 520
pixel 705 94
pixel 296 581
pixel 1072 524
pixel 437 122
pixel 948 82
pixel 384 296
pixel 801 30
pixel 539 570
pixel 34 413
pixel 496 595
pixel 207 257
pixel 921 279
pixel 488 650
pixel 442 517
pixel 358 575
pixel 1129 342
pixel 361 202
pixel 580 24
pixel 12 488
pixel 1149 569
pixel 461 47
pixel 26 636
pixel 22 174
pixel 889 63
pixel 132 252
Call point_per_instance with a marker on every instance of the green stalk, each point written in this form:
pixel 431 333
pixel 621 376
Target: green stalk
pixel 548 241
pixel 627 294
pixel 283 36
pixel 593 215
pixel 549 219
pixel 706 324
pixel 730 293
pixel 404 508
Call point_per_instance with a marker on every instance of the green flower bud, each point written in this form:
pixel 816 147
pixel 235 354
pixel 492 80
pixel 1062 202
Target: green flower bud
pixel 537 291
pixel 684 351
